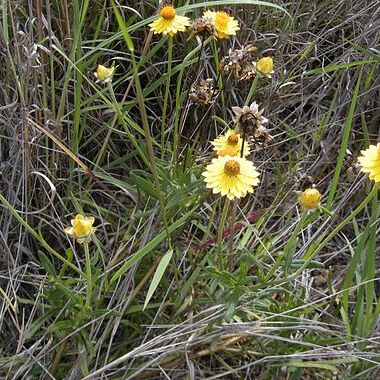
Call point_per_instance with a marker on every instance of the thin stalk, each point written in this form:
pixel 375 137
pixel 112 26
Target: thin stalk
pixel 149 145
pixel 120 116
pixel 180 119
pixel 166 95
pixel 219 78
pixel 88 275
pixel 220 232
pixel 232 230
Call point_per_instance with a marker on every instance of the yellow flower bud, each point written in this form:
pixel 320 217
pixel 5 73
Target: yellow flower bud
pixel 265 65
pixel 310 199
pixel 104 74
pixel 81 228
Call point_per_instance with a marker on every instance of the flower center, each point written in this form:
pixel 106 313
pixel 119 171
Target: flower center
pixel 168 12
pixel 232 139
pixel 221 20
pixel 232 168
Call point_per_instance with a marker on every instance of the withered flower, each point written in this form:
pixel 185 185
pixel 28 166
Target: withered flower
pixel 239 63
pixel 249 121
pixel 202 27
pixel 202 92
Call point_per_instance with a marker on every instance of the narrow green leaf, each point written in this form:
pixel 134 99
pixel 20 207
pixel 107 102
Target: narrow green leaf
pixel 145 186
pixel 47 264
pixel 157 276
pixel 123 27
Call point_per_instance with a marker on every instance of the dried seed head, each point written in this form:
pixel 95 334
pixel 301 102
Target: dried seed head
pixel 202 92
pixel 239 63
pixel 249 121
pixel 202 27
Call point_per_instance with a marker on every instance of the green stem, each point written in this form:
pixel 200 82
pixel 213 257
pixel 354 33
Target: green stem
pixel 166 95
pixel 219 78
pixel 149 145
pixel 88 275
pixel 221 228
pixel 232 235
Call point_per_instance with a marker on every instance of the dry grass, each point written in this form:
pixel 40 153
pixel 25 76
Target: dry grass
pixel 69 145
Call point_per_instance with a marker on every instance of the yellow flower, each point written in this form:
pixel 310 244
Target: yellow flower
pixel 225 24
pixel 265 66
pixel 370 162
pixel 310 199
pixel 169 23
pixel 231 176
pixel 81 228
pixel 104 74
pixel 230 144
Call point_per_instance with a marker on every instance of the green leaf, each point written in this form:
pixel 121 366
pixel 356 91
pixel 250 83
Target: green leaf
pixel 158 275
pixel 123 27
pixel 47 264
pixel 145 186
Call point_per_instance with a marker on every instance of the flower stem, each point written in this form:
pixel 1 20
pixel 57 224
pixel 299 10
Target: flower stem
pixel 88 275
pixel 166 95
pixel 179 119
pixel 219 78
pixel 220 232
pixel 232 230
pixel 149 146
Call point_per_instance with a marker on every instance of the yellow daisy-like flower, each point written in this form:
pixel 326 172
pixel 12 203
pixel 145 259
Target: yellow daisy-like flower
pixel 265 66
pixel 310 199
pixel 231 176
pixel 225 24
pixel 169 23
pixel 230 144
pixel 81 228
pixel 104 74
pixel 370 162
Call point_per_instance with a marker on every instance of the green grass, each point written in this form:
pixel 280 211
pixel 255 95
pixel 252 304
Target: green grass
pixel 164 290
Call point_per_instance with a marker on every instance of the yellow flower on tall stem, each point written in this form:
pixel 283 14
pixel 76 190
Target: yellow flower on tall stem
pixel 231 176
pixel 169 22
pixel 81 228
pixel 225 24
pixel 370 162
pixel 230 144
pixel 104 74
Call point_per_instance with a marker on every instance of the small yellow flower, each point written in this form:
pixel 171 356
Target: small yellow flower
pixel 230 144
pixel 81 228
pixel 231 176
pixel 225 24
pixel 310 199
pixel 370 162
pixel 169 23
pixel 104 74
pixel 265 66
